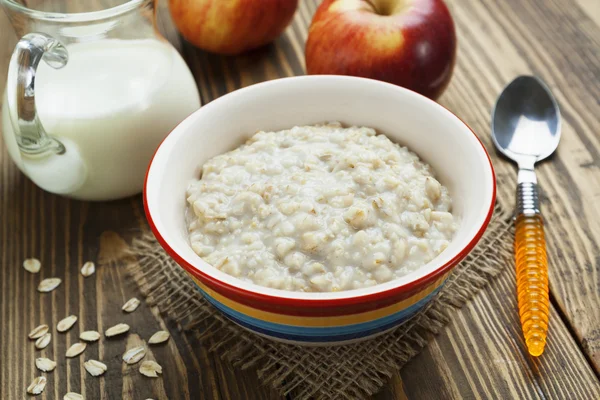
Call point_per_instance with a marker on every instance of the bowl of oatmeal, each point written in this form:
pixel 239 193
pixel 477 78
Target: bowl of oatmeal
pixel 320 209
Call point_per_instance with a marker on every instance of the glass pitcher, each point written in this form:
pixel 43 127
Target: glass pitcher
pixel 90 95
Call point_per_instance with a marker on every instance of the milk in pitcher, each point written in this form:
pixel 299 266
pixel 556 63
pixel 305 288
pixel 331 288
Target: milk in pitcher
pixel 110 106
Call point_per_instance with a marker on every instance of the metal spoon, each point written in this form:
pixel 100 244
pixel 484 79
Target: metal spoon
pixel 526 129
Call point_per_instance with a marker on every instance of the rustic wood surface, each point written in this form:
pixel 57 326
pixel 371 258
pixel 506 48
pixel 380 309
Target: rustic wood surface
pixel 479 355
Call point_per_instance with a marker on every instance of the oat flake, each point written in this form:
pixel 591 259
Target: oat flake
pixel 43 341
pixel 45 364
pixel 66 324
pixel 131 305
pixel 32 265
pixel 75 350
pixel 37 386
pixel 89 336
pixel 72 396
pixel 94 368
pixel 159 337
pixel 134 355
pixel 150 369
pixel 38 332
pixel 48 285
pixel 88 269
pixel 116 330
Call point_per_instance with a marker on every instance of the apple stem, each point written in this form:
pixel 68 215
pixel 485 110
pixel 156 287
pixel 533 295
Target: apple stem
pixel 387 7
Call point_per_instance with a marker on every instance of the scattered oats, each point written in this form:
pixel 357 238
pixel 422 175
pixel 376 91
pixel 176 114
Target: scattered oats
pixel 37 386
pixel 48 285
pixel 159 337
pixel 73 396
pixel 75 350
pixel 134 355
pixel 150 369
pixel 38 331
pixel 88 269
pixel 89 336
pixel 131 305
pixel 66 324
pixel 94 368
pixel 43 341
pixel 32 265
pixel 116 330
pixel 45 364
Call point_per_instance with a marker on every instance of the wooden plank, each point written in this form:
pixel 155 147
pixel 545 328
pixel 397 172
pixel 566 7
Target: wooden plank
pixel 480 354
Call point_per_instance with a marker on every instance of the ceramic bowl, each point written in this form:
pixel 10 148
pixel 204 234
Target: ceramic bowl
pixel 434 133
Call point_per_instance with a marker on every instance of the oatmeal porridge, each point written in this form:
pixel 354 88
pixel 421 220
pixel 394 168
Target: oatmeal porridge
pixel 318 209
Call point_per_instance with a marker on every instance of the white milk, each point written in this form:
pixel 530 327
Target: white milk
pixel 111 106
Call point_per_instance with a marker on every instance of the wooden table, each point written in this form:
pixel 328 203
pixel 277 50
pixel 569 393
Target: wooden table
pixel 479 355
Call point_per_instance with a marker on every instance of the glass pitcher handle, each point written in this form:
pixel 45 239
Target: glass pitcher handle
pixel 31 137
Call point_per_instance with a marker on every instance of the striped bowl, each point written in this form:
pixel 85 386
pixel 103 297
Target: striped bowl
pixel 438 136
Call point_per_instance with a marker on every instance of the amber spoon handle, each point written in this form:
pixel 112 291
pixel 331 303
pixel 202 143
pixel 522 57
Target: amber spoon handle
pixel 532 268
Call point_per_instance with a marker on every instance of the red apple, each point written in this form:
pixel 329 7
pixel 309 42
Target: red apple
pixel 231 26
pixel 410 43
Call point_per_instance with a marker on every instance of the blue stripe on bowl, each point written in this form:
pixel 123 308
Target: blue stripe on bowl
pixel 320 334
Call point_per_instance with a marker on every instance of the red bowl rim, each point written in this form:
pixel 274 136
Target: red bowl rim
pixel 341 302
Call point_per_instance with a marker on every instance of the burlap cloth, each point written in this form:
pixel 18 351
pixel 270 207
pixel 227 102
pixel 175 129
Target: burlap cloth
pixel 342 372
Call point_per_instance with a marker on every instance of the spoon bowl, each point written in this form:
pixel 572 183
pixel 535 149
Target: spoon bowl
pixel 526 120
